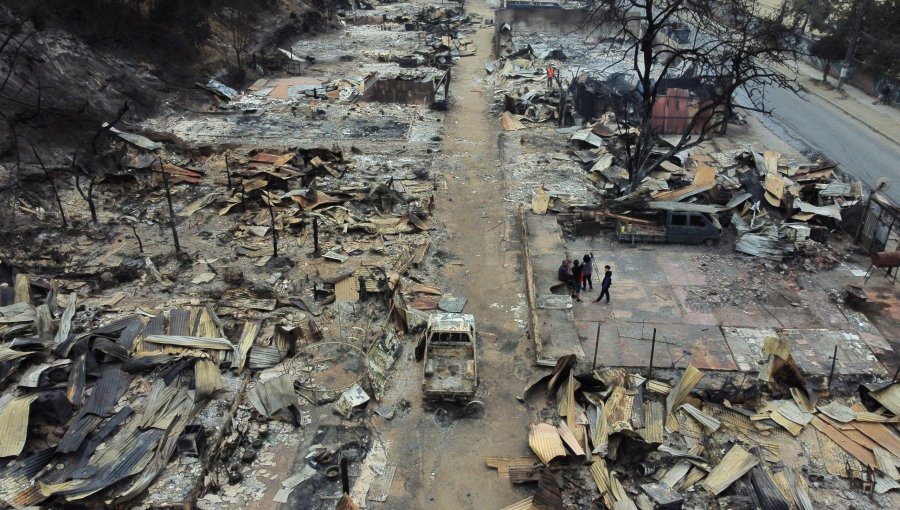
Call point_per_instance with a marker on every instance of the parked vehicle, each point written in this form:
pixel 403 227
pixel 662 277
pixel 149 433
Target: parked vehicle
pixel 681 227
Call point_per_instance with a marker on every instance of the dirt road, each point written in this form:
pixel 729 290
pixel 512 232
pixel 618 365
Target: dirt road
pixel 442 463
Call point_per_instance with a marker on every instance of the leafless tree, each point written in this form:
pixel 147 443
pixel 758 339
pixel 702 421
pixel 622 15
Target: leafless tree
pixel 86 194
pixel 10 50
pixel 237 21
pixel 730 56
pixel 62 212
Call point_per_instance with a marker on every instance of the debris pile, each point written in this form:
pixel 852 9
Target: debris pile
pixel 620 440
pixel 778 208
pixel 99 407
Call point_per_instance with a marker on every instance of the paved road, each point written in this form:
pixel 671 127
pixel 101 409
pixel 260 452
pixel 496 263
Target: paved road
pixel 810 123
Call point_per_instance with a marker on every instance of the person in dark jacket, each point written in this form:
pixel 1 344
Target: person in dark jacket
pixel 605 285
pixel 563 273
pixel 587 271
pixel 576 280
pixel 883 94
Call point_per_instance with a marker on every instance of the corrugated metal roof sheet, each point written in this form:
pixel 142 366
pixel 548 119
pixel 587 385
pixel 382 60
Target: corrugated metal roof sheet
pixel 208 379
pixel 130 333
pixel 29 496
pixel 735 464
pixel 680 392
pixel 503 464
pixel 32 377
pixel 18 312
pixel 110 329
pixel 156 326
pixel 191 341
pixel 108 390
pixel 65 323
pixel 14 425
pixel 112 423
pixel 23 289
pixel 274 394
pixel 76 432
pixel 545 442
pixel 878 433
pixel 889 397
pixel 7 354
pixel 248 335
pixel 860 453
pixel 263 356
pixel 601 477
pixel 147 360
pixel 121 461
pixel 16 487
pixel 619 408
pixel 525 504
pixel 180 322
pixel 110 348
pixel 654 418
pixel 569 438
pixel 347 290
pixel 599 428
pixel 208 324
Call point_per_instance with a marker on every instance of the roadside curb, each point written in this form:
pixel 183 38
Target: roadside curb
pixel 812 90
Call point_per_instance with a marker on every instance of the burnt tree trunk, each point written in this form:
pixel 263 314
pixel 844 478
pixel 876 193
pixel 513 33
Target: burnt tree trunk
pixel 274 233
pixel 62 213
pixel 171 209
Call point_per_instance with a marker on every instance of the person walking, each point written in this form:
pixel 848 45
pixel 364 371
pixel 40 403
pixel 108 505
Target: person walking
pixel 576 280
pixel 587 271
pixel 883 94
pixel 550 72
pixel 605 285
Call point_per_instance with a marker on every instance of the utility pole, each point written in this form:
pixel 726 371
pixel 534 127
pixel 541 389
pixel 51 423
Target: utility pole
pixel 861 7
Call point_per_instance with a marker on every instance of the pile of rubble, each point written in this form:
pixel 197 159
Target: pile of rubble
pixel 644 443
pixel 98 411
pixel 122 384
pixel 777 208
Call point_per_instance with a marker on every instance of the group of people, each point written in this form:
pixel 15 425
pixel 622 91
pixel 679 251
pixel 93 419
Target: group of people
pixel 578 275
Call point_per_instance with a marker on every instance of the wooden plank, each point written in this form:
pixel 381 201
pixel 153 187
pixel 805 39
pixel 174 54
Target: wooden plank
pixel 860 453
